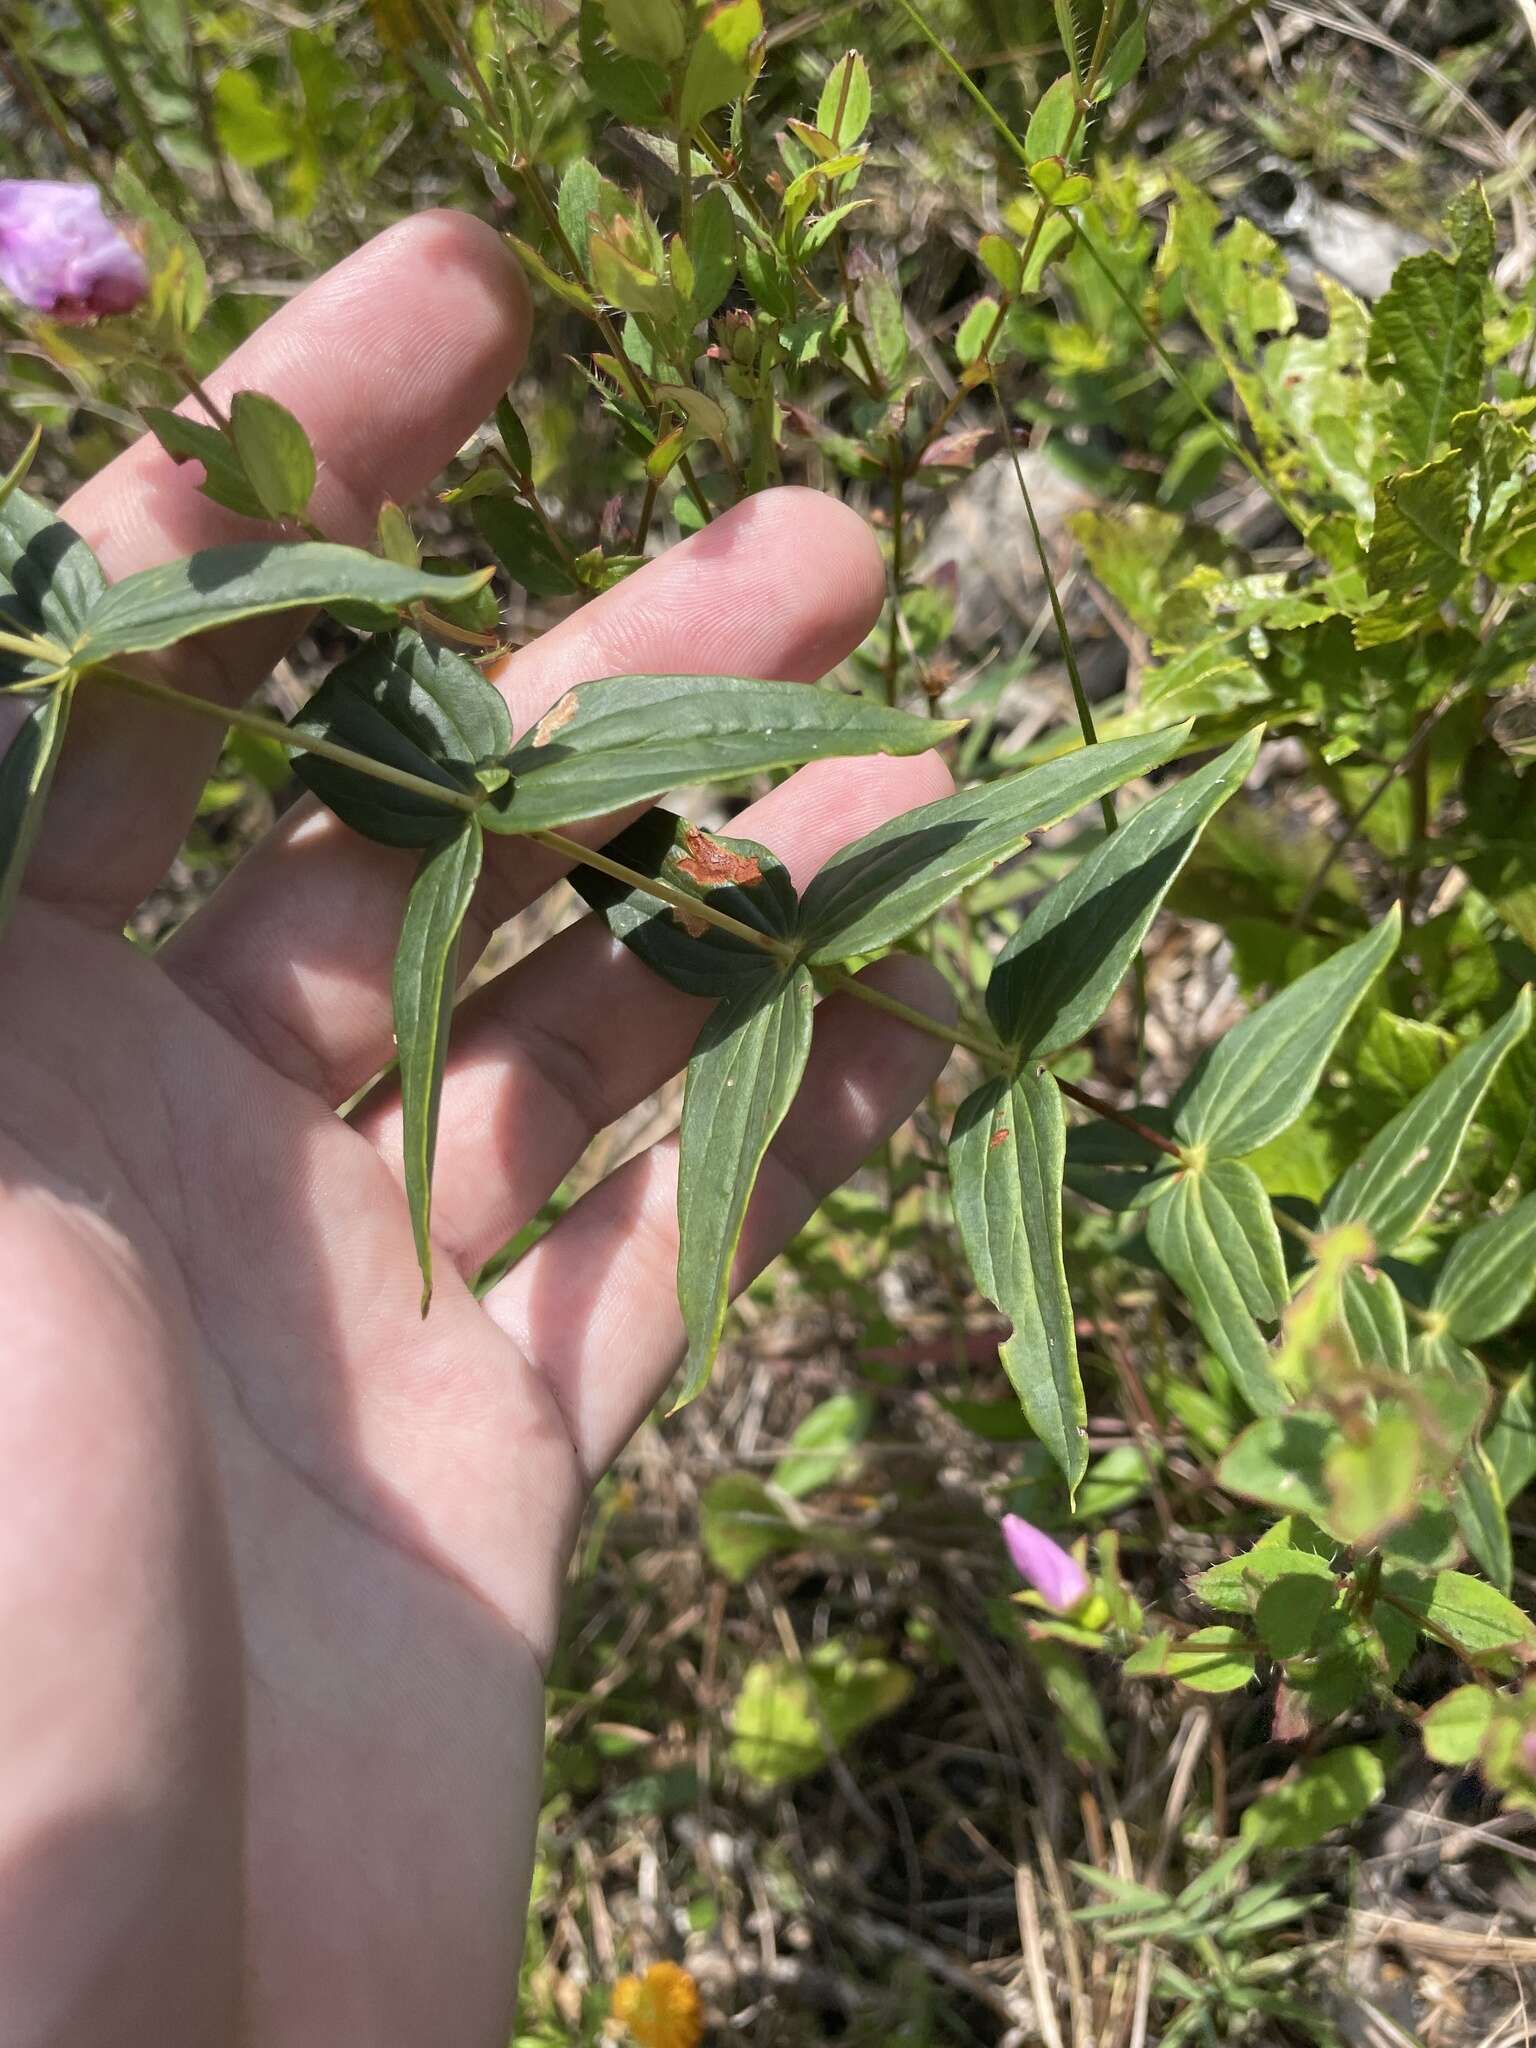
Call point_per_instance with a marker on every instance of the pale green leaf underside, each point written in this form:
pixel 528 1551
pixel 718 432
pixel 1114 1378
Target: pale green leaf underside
pixel 742 1077
pixel 626 739
pixel 424 982
pixel 1391 1187
pixel 1258 1077
pixel 1214 1234
pixel 1006 1158
pixel 876 890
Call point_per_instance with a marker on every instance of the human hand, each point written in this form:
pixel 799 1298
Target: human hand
pixel 279 1562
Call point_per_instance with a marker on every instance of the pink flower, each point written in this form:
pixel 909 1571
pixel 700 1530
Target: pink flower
pixel 1053 1572
pixel 60 254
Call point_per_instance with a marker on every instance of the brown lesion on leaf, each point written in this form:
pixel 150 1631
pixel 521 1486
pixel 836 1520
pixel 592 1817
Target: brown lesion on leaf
pixel 998 1137
pixel 559 714
pixel 695 927
pixel 714 866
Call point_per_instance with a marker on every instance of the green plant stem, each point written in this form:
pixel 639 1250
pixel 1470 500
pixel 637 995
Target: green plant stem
pixel 262 727
pixel 898 566
pixel 838 981
pixel 652 885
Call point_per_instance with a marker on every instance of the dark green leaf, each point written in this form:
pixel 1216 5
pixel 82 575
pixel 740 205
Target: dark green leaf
pixel 274 452
pixel 1480 1517
pixel 1061 967
pixel 700 960
pixel 416 708
pixel 742 1078
pixel 1427 336
pixel 626 86
pixel 1214 1233
pixel 158 607
pixel 1490 1276
pixel 1511 1439
pixel 26 771
pixel 626 739
pixel 876 890
pixel 49 580
pixel 514 435
pixel 712 251
pixel 1259 1076
pixel 516 536
pixel 1006 1158
pixel 1392 1186
pixel 424 983
pixel 184 440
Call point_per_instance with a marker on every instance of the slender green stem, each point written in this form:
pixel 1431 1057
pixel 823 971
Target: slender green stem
pixel 261 727
pixel 33 644
pixel 837 981
pixel 898 565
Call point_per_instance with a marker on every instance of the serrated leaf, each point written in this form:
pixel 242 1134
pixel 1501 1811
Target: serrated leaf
pixel 425 978
pixel 26 774
pixel 1237 1584
pixel 1427 337
pixel 1054 122
pixel 824 1446
pixel 723 61
pixel 417 708
pixel 1474 1617
pixel 1415 558
pixel 1006 1158
pixel 1480 1518
pixel 1490 1276
pixel 1258 1077
pixel 1214 1233
pixel 626 739
pixel 1392 1186
pixel 738 876
pixel 49 580
pixel 1278 1461
pixel 274 454
pixel 1332 1791
pixel 184 440
pixel 627 86
pixel 219 586
pixel 742 1076
pixel 842 112
pixel 876 890
pixel 1055 976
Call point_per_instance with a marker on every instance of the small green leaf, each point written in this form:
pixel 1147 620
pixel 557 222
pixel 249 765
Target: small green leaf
pixel 49 580
pixel 158 607
pixel 1475 1617
pixel 424 982
pixel 1480 1517
pixel 274 453
pixel 224 478
pixel 1214 1233
pixel 517 537
pixel 626 739
pixel 1278 1461
pixel 1003 260
pixel 825 1445
pixel 1426 336
pixel 1006 1158
pixel 1206 1660
pixel 414 707
pixel 724 60
pixel 514 435
pixel 1490 1276
pixel 876 890
pixel 1054 123
pixel 742 1077
pixel 1415 559
pixel 712 251
pixel 842 112
pixel 1392 1186
pixel 1054 977
pixel 1238 1584
pixel 26 773
pixel 1454 1727
pixel 1372 1483
pixel 1375 1319
pixel 627 86
pixel 741 1525
pixel 1257 1078
pixel 1511 1439
pixel 1332 1791
pixel 654 30
pixel 790 1715
pixel 1289 1611
pixel 737 876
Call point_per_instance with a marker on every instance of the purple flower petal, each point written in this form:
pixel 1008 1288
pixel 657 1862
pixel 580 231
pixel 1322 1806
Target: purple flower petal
pixel 1053 1572
pixel 60 254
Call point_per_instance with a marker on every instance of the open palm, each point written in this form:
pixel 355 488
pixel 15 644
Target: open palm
pixel 279 1562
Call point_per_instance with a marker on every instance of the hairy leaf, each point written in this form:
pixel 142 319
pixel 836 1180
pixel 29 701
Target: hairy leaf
pixel 737 876
pixel 26 771
pixel 158 607
pixel 876 890
pixel 1214 1233
pixel 49 580
pixel 1006 1158
pixel 742 1077
pixel 424 983
pixel 626 739
pixel 1427 335
pixel 1393 1184
pixel 1056 974
pixel 1258 1077
pixel 518 539
pixel 1490 1276
pixel 417 708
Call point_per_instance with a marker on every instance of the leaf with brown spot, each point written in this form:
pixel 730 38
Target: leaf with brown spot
pixel 714 864
pixel 559 714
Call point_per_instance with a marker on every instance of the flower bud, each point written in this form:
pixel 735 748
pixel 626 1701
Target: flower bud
pixel 1054 1573
pixel 60 254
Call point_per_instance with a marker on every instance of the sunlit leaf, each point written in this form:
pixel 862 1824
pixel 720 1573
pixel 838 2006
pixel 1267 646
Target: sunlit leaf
pixel 1490 1276
pixel 49 581
pixel 1214 1233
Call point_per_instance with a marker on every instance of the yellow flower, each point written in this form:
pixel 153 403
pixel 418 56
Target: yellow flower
pixel 660 2009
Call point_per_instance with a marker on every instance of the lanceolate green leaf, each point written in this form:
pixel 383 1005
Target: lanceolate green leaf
pixel 1006 1158
pixel 876 890
pixel 49 580
pixel 1214 1233
pixel 416 708
pixel 1391 1186
pixel 629 738
pixel 742 1078
pixel 26 770
pixel 737 876
pixel 160 606
pixel 1511 1439
pixel 1375 1319
pixel 1480 1517
pixel 1490 1275
pixel 1259 1077
pixel 1056 974
pixel 425 978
